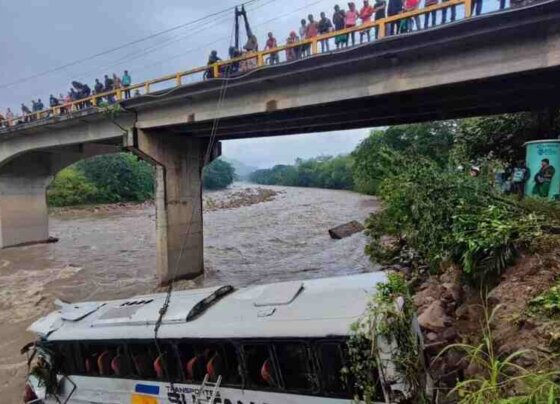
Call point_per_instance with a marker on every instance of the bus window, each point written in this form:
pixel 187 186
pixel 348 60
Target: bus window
pixel 121 364
pixel 143 356
pixel 331 359
pixel 64 358
pixel 194 360
pixel 261 371
pixel 166 364
pixel 295 366
pixel 231 374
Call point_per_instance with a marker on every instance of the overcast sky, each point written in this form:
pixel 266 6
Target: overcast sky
pixel 41 35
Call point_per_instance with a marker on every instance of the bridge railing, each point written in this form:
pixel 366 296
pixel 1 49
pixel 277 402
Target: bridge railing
pixel 242 64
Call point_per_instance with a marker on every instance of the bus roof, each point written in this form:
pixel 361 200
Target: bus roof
pixel 309 308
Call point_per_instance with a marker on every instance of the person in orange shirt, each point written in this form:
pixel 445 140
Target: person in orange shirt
pixel 272 44
pixel 365 15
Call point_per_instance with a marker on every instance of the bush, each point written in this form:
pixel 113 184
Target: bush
pixel 70 187
pixel 445 215
pixel 218 175
pixel 119 177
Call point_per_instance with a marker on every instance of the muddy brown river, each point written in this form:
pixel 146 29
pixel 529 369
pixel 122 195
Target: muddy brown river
pixel 106 255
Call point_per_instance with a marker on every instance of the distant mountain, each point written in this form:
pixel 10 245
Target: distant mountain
pixel 242 170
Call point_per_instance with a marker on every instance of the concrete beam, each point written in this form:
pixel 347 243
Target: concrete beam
pixel 71 133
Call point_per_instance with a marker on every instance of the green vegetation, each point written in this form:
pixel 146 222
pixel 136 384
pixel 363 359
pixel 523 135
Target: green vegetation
pixel 499 378
pixel 218 175
pixel 321 172
pixel 387 152
pixel 71 187
pixel 120 177
pixel 386 327
pixel 547 304
pixel 447 216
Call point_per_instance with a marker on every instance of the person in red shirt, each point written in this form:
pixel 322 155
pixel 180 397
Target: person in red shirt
pixel 272 44
pixel 365 15
pixel 411 5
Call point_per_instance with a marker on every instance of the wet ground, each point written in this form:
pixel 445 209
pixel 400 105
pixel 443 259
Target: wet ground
pixel 111 254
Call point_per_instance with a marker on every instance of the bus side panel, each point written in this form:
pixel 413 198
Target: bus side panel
pixel 97 390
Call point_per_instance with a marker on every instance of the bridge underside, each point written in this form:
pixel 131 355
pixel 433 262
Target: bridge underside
pixel 526 92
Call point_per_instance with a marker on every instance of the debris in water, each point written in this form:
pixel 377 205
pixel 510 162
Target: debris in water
pixel 346 230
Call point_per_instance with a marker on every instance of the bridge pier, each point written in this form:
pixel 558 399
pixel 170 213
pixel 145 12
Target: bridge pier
pixel 23 203
pixel 178 198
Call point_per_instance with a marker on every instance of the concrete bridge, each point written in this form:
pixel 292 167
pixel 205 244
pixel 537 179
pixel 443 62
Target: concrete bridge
pixel 503 62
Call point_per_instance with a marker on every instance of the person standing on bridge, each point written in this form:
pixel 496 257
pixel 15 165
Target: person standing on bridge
pixel 476 6
pixel 126 82
pixel 304 49
pixel 9 117
pixel 379 8
pixel 25 111
pixel 108 88
pixel 432 14
pixel 312 30
pixel 453 13
pixel 395 7
pixel 98 88
pixel 338 21
pixel 213 58
pixel 350 20
pixel 412 5
pixel 293 52
pixel 325 26
pixel 271 43
pixel 365 16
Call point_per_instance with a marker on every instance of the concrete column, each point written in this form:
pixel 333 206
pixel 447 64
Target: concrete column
pixel 23 203
pixel 179 161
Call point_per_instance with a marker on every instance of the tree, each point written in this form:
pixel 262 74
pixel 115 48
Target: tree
pixel 383 152
pixel 218 175
pixel 119 177
pixel 503 136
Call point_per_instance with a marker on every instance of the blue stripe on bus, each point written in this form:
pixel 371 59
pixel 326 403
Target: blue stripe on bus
pixel 147 389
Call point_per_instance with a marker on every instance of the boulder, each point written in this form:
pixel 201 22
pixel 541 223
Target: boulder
pixel 434 318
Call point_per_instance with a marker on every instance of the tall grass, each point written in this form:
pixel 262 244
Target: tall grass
pixel 499 379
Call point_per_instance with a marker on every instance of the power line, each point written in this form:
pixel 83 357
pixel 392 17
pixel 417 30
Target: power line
pixel 135 42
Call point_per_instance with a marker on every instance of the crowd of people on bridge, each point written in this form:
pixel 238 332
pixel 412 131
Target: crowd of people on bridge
pixel 342 19
pixel 70 102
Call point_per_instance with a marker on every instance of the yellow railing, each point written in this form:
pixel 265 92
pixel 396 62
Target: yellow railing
pixel 257 58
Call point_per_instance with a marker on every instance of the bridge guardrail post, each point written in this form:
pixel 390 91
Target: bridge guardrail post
pixel 216 70
pixel 314 47
pixel 178 80
pixel 381 30
pixel 468 8
pixel 147 87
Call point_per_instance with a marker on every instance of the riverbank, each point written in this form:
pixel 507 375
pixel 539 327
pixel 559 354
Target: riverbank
pixel 109 252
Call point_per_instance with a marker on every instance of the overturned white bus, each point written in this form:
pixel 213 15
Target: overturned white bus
pixel 277 343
